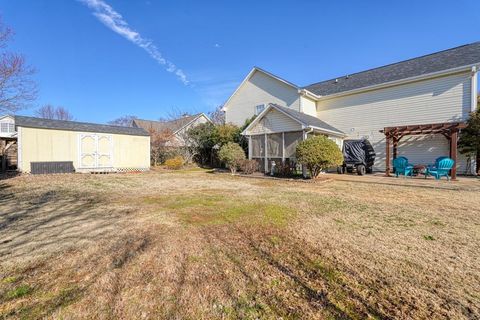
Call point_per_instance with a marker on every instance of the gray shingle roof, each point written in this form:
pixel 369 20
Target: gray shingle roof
pixel 448 59
pixel 31 122
pixel 306 119
pixel 160 126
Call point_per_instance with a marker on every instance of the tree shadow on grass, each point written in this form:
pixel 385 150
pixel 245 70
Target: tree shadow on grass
pixel 51 222
pixel 303 278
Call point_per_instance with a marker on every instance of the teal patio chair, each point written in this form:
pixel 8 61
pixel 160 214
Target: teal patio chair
pixel 402 167
pixel 442 167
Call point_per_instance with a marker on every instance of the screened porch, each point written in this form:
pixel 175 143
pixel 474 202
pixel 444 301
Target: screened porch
pixel 276 147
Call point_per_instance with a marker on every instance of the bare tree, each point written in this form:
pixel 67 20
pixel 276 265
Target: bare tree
pixel 173 114
pixel 160 145
pixel 217 116
pixel 124 121
pixel 17 88
pixel 50 112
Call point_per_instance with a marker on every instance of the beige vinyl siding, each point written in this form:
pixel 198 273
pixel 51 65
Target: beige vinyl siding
pixel 259 89
pixel 308 106
pixel 441 99
pixel 274 121
pixel 61 145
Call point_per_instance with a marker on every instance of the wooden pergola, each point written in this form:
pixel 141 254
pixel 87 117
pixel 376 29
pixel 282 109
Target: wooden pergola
pixel 449 130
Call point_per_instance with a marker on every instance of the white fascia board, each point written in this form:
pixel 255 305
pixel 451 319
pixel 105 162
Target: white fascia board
pixel 401 81
pixel 336 133
pixel 304 92
pixel 250 74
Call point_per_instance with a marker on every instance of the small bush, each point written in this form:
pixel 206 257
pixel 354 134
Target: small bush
pixel 174 163
pixel 318 153
pixel 248 166
pixel 232 154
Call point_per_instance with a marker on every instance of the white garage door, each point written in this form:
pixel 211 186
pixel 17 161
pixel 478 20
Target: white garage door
pixel 95 150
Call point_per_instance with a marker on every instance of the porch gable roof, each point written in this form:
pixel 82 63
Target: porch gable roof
pixel 305 120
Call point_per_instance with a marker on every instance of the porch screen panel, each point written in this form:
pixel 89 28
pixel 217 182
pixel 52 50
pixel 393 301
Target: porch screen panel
pixel 291 141
pixel 274 145
pixel 258 146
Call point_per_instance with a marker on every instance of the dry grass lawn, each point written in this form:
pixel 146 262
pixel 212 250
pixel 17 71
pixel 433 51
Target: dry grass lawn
pixel 196 245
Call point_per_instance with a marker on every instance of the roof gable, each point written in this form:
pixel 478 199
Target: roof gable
pixel 463 56
pixel 305 120
pixel 250 75
pixel 173 125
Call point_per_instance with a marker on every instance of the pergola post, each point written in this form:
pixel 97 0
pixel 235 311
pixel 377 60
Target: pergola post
pixel 387 155
pixel 453 152
pixel 395 140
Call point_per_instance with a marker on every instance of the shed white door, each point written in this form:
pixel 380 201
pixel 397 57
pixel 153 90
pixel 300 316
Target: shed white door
pixel 95 150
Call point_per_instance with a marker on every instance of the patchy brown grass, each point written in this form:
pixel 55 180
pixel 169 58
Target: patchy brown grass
pixel 194 245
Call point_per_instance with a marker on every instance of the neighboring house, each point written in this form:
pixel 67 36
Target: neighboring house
pixel 432 89
pixel 8 146
pixel 177 128
pixel 83 147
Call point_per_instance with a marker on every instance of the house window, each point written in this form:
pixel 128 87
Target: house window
pixel 259 108
pixel 6 127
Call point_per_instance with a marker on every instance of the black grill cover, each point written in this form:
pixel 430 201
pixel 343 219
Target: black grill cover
pixel 358 151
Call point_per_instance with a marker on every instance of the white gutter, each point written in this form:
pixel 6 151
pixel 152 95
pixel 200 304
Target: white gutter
pixel 308 94
pixel 474 88
pixel 328 131
pixel 399 82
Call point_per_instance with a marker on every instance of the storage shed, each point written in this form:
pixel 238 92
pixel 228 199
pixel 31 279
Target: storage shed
pixel 63 146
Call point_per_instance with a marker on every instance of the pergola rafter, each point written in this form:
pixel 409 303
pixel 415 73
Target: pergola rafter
pixel 449 130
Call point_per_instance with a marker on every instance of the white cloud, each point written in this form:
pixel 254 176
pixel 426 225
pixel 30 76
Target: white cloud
pixel 217 45
pixel 115 22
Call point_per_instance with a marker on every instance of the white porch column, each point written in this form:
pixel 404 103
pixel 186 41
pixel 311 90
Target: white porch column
pixel 250 148
pixel 266 155
pixel 304 168
pixel 283 147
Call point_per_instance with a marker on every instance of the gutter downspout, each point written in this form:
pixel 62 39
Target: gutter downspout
pixel 474 83
pixel 474 95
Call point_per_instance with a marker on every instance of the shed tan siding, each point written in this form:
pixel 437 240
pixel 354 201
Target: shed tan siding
pixel 259 89
pixel 275 121
pixel 435 100
pixel 61 145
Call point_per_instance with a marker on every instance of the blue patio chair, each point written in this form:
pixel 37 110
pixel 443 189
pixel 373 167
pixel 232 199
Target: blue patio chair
pixel 442 167
pixel 402 167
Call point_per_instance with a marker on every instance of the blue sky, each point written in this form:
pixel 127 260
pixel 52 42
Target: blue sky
pixel 106 58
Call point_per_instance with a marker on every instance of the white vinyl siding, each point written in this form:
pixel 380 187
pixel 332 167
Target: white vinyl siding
pixel 308 106
pixel 259 89
pixel 442 99
pixel 275 121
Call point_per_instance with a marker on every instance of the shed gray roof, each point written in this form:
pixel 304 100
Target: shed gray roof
pixel 31 122
pixel 448 59
pixel 307 120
